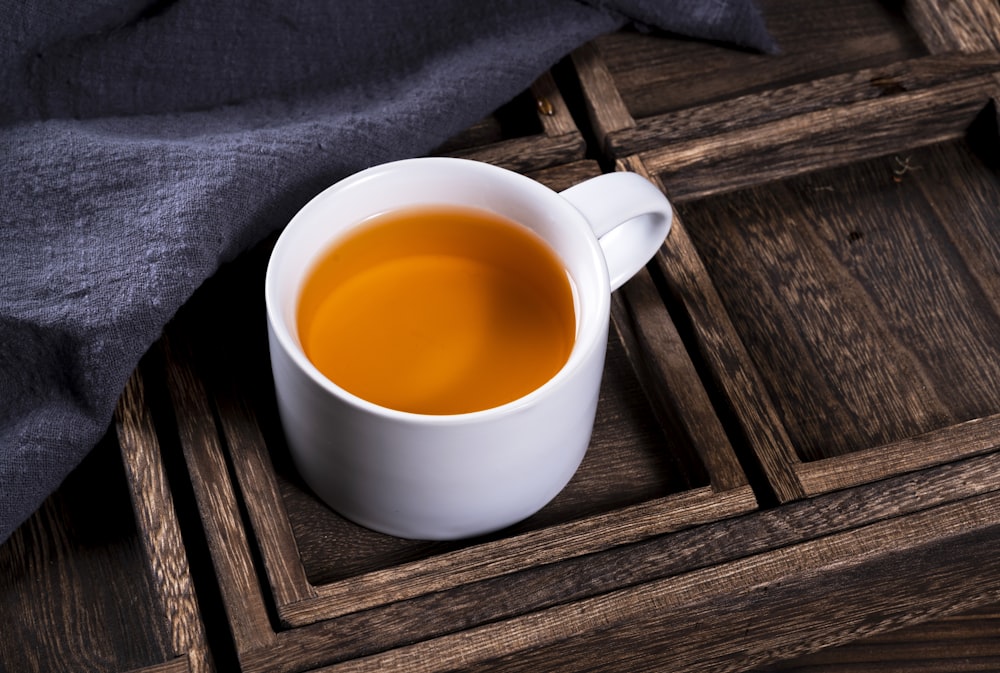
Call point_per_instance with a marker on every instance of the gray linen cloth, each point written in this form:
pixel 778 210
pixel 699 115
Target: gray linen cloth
pixel 145 142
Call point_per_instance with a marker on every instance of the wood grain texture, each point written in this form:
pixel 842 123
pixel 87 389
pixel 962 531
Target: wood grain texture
pixel 216 500
pixel 854 584
pixel 554 115
pixel 715 545
pixel 717 342
pixel 876 330
pixel 819 139
pixel 937 446
pixel 76 593
pixel 663 365
pixel 179 665
pixel 769 105
pixel 261 495
pixel 956 25
pixel 158 527
pixel 604 105
pixel 656 74
pixel 965 643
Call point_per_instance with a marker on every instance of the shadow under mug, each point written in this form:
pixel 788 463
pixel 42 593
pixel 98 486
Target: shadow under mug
pixel 440 477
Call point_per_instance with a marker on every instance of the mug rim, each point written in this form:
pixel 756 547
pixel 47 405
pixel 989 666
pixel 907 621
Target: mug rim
pixel 589 333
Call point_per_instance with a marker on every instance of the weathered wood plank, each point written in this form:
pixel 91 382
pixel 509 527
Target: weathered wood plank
pixel 261 495
pixel 771 105
pixel 159 530
pixel 956 25
pixel 179 665
pixel 819 139
pixel 528 154
pixel 604 105
pixel 964 643
pixel 946 444
pixel 657 74
pixel 855 301
pixel 76 593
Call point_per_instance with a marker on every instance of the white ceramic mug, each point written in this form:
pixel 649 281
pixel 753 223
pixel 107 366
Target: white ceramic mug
pixel 452 476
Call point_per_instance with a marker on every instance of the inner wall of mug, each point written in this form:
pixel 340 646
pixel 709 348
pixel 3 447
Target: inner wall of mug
pixel 334 212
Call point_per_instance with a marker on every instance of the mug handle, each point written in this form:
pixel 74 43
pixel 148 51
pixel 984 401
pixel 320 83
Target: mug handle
pixel 630 217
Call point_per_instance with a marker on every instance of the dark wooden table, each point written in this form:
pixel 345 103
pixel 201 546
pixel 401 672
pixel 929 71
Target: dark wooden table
pixel 796 463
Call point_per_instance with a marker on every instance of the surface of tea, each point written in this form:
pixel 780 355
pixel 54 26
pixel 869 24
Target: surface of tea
pixel 438 311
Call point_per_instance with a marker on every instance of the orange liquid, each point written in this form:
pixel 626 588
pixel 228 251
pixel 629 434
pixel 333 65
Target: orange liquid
pixel 438 311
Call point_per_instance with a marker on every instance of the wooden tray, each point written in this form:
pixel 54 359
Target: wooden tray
pixel 682 581
pixel 835 260
pixel 703 532
pixel 531 132
pixel 656 464
pixel 98 579
pixel 715 525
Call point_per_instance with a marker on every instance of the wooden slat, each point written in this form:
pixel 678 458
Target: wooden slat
pixel 820 139
pixel 493 559
pixel 965 200
pixel 261 495
pixel 529 153
pixel 552 111
pixel 180 665
pixel 946 444
pixel 774 104
pixel 605 108
pixel 159 530
pixel 956 25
